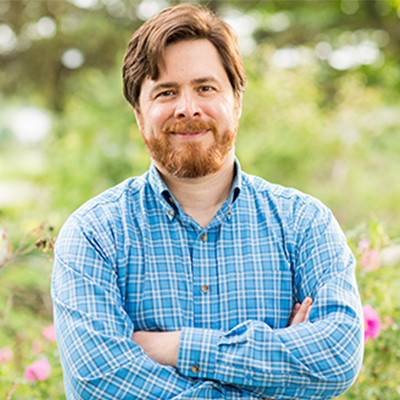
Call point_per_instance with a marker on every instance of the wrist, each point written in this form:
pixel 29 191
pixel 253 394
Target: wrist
pixel 162 347
pixel 173 339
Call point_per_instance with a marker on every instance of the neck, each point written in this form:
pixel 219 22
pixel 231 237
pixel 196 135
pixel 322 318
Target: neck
pixel 201 198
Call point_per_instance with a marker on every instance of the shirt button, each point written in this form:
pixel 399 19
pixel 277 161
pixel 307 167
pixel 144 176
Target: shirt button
pixel 229 212
pixel 203 237
pixel 171 212
pixel 205 288
pixel 171 200
pixel 195 369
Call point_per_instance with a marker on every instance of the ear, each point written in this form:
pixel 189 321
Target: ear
pixel 239 106
pixel 138 118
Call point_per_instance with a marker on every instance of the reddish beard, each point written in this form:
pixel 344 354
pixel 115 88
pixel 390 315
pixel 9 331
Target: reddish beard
pixel 190 160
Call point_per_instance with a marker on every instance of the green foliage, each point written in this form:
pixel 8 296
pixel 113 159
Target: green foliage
pixel 26 309
pixel 344 152
pixel 98 144
pixel 380 288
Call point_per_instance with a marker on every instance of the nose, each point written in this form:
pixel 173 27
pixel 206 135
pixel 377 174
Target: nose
pixel 187 106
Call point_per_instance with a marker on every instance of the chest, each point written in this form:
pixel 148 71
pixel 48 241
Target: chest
pixel 215 278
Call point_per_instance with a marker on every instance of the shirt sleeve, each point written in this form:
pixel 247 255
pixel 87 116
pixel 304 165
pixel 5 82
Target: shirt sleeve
pixel 94 333
pixel 317 359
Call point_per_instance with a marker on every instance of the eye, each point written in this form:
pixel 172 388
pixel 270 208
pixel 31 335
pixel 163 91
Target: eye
pixel 206 88
pixel 165 93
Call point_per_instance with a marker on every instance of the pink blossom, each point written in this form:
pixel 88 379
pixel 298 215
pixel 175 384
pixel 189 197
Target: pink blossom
pixel 370 259
pixel 49 333
pixel 363 244
pixel 372 323
pixel 38 371
pixel 6 355
pixel 388 322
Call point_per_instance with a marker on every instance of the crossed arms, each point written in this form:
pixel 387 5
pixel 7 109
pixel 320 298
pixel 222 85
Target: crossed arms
pixel 163 347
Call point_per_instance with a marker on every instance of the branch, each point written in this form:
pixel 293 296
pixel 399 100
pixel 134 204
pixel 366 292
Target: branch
pixel 46 242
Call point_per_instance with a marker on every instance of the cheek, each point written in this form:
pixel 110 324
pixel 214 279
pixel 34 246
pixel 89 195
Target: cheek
pixel 226 113
pixel 225 107
pixel 156 118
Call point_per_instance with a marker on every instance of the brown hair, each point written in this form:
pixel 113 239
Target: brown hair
pixel 144 56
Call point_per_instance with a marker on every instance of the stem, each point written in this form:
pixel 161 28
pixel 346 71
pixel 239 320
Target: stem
pixel 9 394
pixel 20 250
pixel 7 310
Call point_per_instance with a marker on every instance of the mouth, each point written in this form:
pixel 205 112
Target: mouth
pixel 189 134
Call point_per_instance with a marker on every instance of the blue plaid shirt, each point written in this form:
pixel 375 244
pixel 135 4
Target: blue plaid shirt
pixel 132 259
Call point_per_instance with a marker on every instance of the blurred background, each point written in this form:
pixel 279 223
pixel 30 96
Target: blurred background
pixel 321 114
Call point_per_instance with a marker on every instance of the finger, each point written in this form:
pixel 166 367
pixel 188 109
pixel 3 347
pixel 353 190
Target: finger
pixel 296 308
pixel 308 312
pixel 303 312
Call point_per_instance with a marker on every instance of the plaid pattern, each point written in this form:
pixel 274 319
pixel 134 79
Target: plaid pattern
pixel 132 259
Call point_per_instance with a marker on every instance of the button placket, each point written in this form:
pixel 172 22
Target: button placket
pixel 205 279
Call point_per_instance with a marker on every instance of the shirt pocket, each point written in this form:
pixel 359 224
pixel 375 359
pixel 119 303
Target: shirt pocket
pixel 265 296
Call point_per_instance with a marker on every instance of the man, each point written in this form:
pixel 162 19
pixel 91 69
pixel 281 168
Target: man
pixel 180 284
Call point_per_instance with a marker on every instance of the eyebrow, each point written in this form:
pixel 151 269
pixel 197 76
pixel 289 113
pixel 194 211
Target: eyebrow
pixel 205 79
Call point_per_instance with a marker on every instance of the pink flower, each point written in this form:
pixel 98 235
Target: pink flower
pixel 372 323
pixel 370 259
pixel 39 370
pixel 363 244
pixel 49 333
pixel 6 355
pixel 388 322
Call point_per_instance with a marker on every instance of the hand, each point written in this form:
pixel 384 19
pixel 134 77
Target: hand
pixel 301 312
pixel 162 347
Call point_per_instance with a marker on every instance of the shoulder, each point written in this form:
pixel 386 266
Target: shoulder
pixel 303 221
pixel 279 194
pixel 109 209
pixel 289 205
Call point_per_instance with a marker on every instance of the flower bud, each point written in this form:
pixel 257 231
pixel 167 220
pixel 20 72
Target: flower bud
pixel 39 370
pixel 6 355
pixel 49 334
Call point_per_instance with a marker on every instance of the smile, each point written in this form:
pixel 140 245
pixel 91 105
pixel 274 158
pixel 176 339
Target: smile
pixel 189 134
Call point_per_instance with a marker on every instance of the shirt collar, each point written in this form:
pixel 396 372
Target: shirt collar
pixel 236 184
pixel 165 196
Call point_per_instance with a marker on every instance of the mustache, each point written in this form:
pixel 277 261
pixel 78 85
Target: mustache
pixel 184 126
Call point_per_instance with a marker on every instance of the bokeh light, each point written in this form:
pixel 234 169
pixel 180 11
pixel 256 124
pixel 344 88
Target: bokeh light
pixel 30 125
pixel 72 58
pixel 147 8
pixel 8 40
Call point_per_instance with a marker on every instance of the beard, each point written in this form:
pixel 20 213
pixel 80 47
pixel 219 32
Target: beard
pixel 190 160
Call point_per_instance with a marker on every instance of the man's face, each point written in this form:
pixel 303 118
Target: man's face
pixel 189 115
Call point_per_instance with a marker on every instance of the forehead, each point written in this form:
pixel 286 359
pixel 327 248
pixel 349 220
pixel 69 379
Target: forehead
pixel 190 60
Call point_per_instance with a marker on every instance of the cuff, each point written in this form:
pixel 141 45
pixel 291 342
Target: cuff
pixel 197 352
